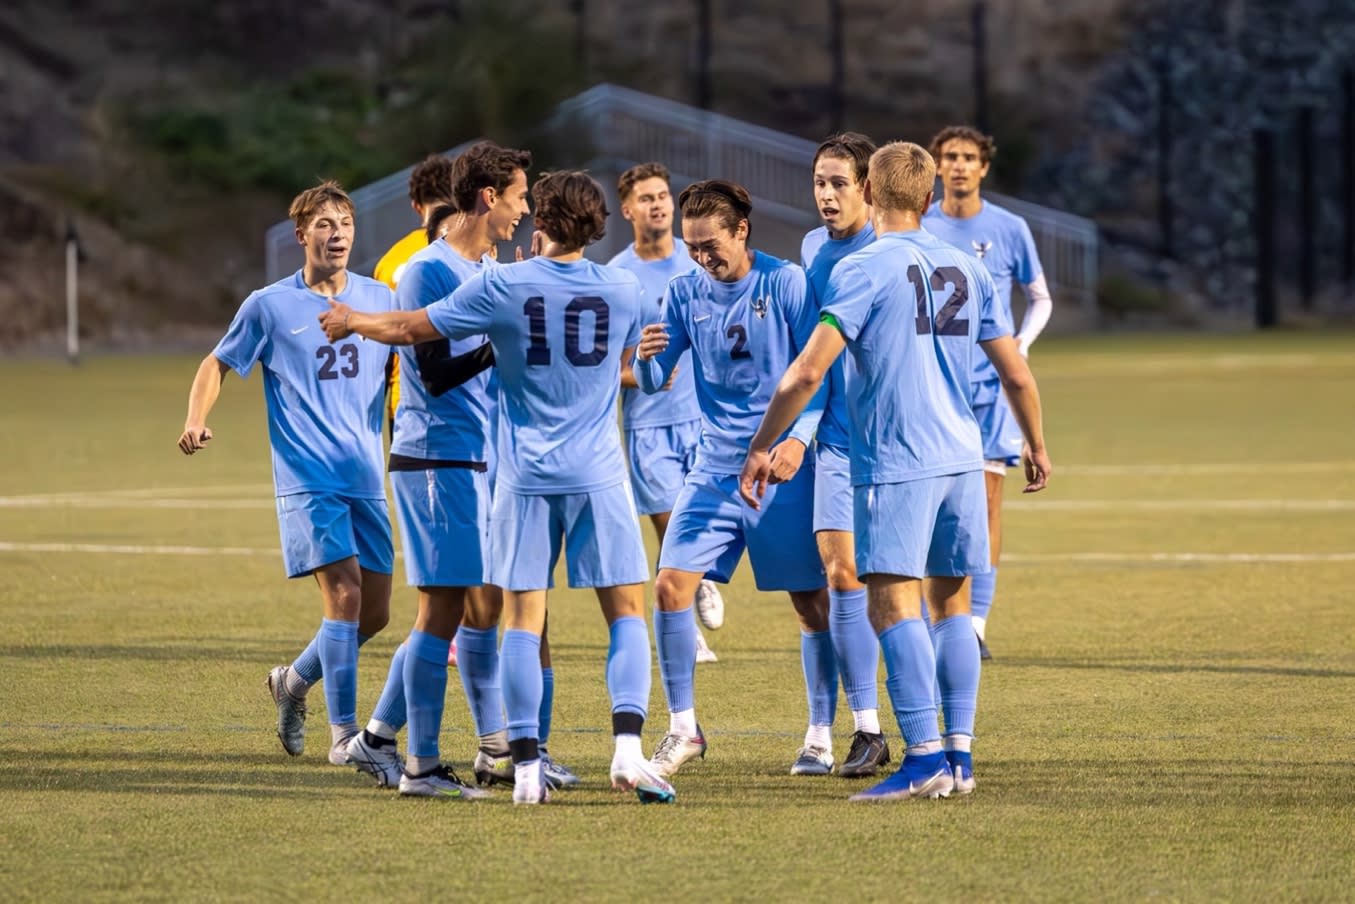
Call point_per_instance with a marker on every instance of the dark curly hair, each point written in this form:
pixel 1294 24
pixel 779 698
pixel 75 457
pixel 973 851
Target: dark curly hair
pixel 727 201
pixel 987 147
pixel 570 208
pixel 485 165
pixel 431 181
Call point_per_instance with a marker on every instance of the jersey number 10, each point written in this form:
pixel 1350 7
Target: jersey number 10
pixel 538 352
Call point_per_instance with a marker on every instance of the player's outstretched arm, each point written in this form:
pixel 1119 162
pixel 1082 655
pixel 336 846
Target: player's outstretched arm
pixel 798 386
pixel 201 397
pixel 1019 384
pixel 440 371
pixel 390 327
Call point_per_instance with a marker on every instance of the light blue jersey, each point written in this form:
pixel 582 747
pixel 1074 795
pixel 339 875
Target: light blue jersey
pixel 913 310
pixel 819 254
pixel 1000 239
pixel 325 400
pixel 743 336
pixel 558 330
pixel 455 425
pixel 677 405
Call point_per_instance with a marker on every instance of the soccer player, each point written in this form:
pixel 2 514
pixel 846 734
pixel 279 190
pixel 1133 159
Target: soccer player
pixel 744 315
pixel 324 404
pixel 839 176
pixel 430 184
pixel 662 431
pixel 559 325
pixel 912 310
pixel 442 498
pixel 1002 240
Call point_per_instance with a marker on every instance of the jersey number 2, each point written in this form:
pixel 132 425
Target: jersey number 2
pixel 329 361
pixel 538 352
pixel 947 323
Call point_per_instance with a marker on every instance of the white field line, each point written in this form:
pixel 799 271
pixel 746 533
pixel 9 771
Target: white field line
pixel 1154 365
pixel 1205 557
pixel 1252 468
pixel 1180 505
pixel 113 502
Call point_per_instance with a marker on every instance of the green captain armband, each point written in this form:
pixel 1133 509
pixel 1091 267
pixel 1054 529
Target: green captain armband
pixel 832 321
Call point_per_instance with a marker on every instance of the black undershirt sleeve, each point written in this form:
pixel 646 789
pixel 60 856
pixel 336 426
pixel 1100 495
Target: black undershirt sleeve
pixel 440 370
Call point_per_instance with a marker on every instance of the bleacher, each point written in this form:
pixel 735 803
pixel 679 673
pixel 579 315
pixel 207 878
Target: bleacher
pixel 614 128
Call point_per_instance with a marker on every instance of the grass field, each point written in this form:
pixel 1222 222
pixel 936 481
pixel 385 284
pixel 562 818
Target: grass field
pixel 1171 713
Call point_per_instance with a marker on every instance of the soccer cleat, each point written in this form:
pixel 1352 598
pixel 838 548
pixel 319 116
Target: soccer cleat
pixel 493 768
pixel 338 754
pixel 630 773
pixel 531 788
pixel 703 651
pixel 676 749
pixel 920 775
pixel 869 752
pixel 812 760
pixel 710 605
pixel 961 765
pixel 984 652
pixel 441 782
pixel 382 762
pixel 557 775
pixel 291 712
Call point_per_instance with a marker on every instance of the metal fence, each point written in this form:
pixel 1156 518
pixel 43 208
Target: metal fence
pixel 612 128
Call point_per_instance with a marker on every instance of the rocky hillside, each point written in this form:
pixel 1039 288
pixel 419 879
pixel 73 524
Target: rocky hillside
pixel 171 137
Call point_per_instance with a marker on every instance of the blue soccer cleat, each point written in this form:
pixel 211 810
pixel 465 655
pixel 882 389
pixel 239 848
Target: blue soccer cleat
pixel 961 765
pixel 920 775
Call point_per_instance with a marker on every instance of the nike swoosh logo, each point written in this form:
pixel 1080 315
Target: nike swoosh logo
pixel 300 329
pixel 701 318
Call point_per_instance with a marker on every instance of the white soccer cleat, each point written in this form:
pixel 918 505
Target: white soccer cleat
pixel 630 773
pixel 529 785
pixel 442 783
pixel 703 651
pixel 382 763
pixel 710 605
pixel 812 760
pixel 676 749
pixel 291 712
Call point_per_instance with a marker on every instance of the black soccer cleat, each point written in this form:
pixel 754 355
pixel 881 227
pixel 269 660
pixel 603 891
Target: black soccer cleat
pixel 869 752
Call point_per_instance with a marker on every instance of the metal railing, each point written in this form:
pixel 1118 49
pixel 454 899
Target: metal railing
pixel 613 128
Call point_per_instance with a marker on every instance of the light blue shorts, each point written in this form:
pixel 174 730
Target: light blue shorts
pixel 1001 434
pixel 660 458
pixel 600 532
pixel 321 528
pixel 933 527
pixel 711 525
pixel 443 515
pixel 832 489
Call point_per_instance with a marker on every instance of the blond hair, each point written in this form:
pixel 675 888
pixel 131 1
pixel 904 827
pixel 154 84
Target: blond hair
pixel 902 174
pixel 307 204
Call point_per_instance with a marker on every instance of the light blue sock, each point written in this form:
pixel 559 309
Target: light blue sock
pixel 957 672
pixel 628 671
pixel 857 649
pixel 675 641
pixel 339 662
pixel 520 675
pixel 477 659
pixel 390 706
pixel 307 665
pixel 543 717
pixel 981 593
pixel 911 667
pixel 425 681
pixel 820 670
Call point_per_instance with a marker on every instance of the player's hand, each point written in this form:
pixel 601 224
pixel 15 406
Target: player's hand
pixel 787 456
pixel 653 339
pixel 756 474
pixel 671 377
pixel 194 437
pixel 335 321
pixel 1037 467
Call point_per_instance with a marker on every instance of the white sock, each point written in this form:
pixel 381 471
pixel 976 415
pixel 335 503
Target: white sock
pixel 819 736
pixel 628 746
pixel 924 748
pixel 418 765
pixel 342 732
pixel 528 773
pixel 958 742
pixel 294 685
pixel 979 624
pixel 867 720
pixel 495 743
pixel 683 723
pixel 381 730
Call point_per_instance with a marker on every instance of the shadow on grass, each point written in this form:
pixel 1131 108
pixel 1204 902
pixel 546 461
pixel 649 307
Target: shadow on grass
pixel 86 775
pixel 176 650
pixel 1170 668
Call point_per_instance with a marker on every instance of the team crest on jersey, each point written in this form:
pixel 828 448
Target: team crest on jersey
pixel 981 248
pixel 760 307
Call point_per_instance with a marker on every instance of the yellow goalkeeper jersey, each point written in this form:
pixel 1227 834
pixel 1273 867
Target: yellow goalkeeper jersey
pixel 388 271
